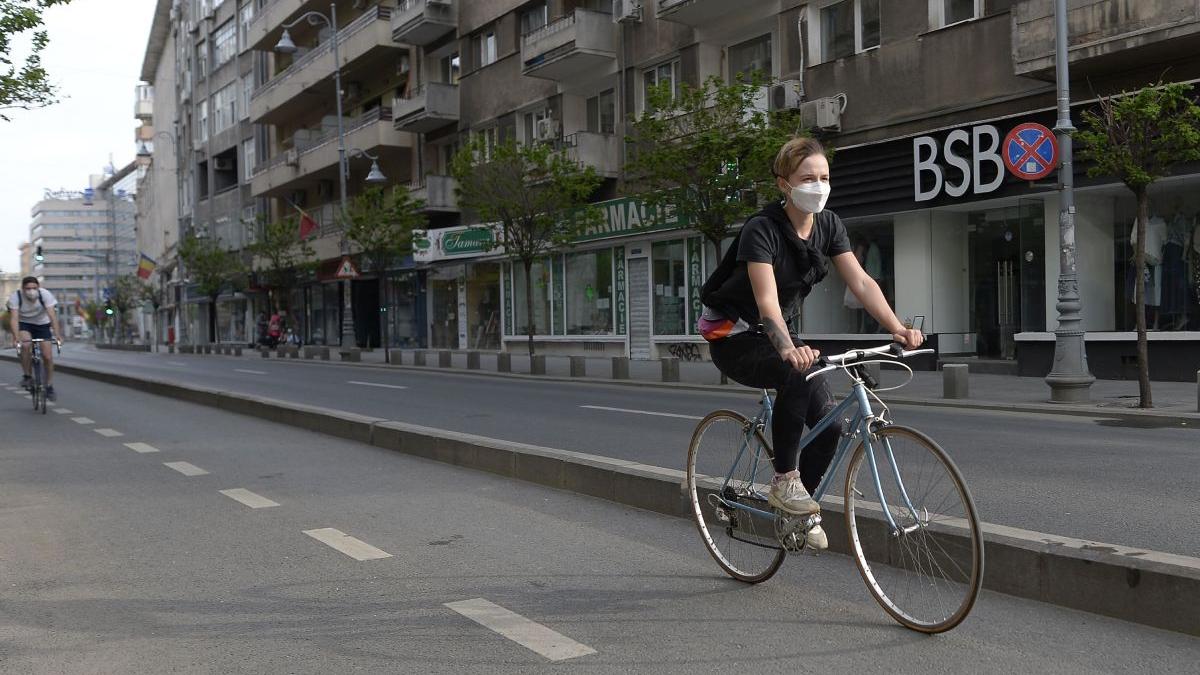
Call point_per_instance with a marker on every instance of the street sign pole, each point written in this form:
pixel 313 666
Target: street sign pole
pixel 1069 378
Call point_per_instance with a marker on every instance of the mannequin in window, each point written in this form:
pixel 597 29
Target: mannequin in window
pixel 869 257
pixel 1176 291
pixel 1156 239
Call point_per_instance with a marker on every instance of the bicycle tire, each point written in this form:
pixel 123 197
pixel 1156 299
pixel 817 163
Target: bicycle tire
pixel 943 556
pixel 750 551
pixel 37 391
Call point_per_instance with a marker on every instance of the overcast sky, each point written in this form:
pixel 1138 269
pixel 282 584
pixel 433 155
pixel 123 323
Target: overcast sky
pixel 95 56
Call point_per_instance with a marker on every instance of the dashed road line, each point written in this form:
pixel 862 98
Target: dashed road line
pixel 186 468
pixel 529 634
pixel 83 420
pixel 176 363
pixel 252 372
pixel 642 412
pixel 63 411
pixel 377 384
pixel 143 448
pixel 344 543
pixel 254 501
pixel 108 433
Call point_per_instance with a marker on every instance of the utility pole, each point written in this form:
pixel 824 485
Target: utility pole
pixel 1069 378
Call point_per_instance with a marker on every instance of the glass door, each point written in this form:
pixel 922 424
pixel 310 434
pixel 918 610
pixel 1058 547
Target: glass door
pixel 1007 276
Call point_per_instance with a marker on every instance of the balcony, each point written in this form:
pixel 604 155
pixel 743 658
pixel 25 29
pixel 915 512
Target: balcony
pixel 602 152
pixel 582 43
pixel 420 22
pixel 431 107
pixel 695 13
pixel 364 48
pixel 267 24
pixel 1104 35
pixel 315 157
pixel 438 193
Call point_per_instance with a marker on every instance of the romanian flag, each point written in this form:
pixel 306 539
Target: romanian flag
pixel 308 226
pixel 146 266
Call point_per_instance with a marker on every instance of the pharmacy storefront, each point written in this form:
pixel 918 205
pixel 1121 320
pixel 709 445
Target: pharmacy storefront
pixel 960 229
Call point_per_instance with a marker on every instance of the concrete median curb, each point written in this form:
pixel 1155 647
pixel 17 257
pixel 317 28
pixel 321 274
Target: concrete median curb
pixel 1148 587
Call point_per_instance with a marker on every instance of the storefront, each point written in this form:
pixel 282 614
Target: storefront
pixel 462 279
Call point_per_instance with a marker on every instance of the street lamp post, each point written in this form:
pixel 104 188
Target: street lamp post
pixel 1069 378
pixel 144 152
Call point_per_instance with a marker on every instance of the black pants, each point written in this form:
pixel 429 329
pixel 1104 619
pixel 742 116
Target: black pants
pixel 750 359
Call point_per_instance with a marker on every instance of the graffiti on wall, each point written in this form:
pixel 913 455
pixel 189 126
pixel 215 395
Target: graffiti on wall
pixel 685 351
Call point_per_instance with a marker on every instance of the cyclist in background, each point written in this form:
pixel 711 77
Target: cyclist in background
pixel 34 318
pixel 781 253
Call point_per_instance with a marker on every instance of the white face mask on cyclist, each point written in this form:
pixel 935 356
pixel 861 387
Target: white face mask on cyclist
pixel 31 294
pixel 810 197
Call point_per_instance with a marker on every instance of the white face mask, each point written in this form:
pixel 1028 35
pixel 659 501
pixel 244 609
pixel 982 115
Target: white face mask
pixel 31 294
pixel 810 197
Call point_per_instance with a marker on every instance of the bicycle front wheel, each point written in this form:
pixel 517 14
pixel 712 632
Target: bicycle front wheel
pixel 730 463
pixel 927 573
pixel 38 391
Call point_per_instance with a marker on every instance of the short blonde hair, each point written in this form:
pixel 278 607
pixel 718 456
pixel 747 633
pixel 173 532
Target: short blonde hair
pixel 793 153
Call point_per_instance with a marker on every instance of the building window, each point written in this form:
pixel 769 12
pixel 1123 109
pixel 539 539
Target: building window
pixel 245 17
pixel 247 93
pixel 602 113
pixel 669 282
pixel 534 18
pixel 450 68
pixel 491 137
pixel 540 273
pixel 249 158
pixel 589 293
pixel 663 73
pixel 224 44
pixel 202 121
pixel 848 27
pixel 225 108
pixel 485 45
pixel 749 57
pixel 201 59
pixel 531 123
pixel 948 12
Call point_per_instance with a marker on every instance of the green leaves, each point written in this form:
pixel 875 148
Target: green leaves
pixel 380 223
pixel 24 84
pixel 280 254
pixel 1138 138
pixel 211 267
pixel 707 151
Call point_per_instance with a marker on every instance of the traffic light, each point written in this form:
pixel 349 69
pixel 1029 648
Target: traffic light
pixel 108 308
pixel 37 255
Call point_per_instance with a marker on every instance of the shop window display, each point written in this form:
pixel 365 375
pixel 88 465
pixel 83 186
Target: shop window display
pixel 589 293
pixel 832 308
pixel 483 306
pixel 1171 275
pixel 540 273
pixel 669 263
pixel 443 307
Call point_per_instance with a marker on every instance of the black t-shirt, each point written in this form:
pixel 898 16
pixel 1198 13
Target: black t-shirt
pixel 799 264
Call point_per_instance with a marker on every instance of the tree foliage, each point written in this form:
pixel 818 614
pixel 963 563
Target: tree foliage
pixel 281 255
pixel 535 194
pixel 1138 138
pixel 705 152
pixel 24 83
pixel 126 293
pixel 213 269
pixel 379 222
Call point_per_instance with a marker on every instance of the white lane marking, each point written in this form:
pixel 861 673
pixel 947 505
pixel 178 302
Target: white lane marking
pixel 376 384
pixel 642 412
pixel 252 372
pixel 176 363
pixel 63 411
pixel 344 543
pixel 254 501
pixel 529 634
pixel 83 420
pixel 141 447
pixel 108 433
pixel 186 468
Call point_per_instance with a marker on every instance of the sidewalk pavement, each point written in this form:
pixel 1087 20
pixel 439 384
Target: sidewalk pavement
pixel 1173 399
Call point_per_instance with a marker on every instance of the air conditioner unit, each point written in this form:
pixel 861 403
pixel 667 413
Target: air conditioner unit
pixel 787 95
pixel 547 129
pixel 627 11
pixel 324 189
pixel 222 164
pixel 292 158
pixel 823 113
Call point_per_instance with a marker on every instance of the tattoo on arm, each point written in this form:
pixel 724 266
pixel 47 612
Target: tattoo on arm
pixel 777 333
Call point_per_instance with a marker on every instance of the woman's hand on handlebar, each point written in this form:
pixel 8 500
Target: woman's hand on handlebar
pixel 802 358
pixel 909 338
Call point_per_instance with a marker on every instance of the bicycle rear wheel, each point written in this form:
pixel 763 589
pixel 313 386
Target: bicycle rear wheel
pixel 927 576
pixel 38 390
pixel 729 463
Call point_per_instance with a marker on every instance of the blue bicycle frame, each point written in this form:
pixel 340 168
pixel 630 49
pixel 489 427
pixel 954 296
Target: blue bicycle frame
pixel 859 427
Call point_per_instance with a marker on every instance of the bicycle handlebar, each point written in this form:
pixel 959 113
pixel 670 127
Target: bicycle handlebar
pixel 891 350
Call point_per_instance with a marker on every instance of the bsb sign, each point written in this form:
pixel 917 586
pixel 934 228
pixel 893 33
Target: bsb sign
pixel 975 160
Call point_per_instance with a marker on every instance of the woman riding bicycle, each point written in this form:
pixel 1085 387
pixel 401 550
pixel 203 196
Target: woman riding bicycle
pixel 780 254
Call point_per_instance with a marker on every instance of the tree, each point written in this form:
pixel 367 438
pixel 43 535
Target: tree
pixel 1138 138
pixel 24 85
pixel 380 223
pixel 535 194
pixel 125 295
pixel 705 153
pixel 213 270
pixel 282 256
pixel 153 295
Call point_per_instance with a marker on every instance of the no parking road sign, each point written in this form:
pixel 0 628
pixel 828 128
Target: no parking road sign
pixel 1030 151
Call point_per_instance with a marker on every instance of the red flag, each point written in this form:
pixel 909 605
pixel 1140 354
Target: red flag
pixel 308 226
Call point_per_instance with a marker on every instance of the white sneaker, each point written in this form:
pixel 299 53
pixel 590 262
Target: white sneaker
pixel 791 497
pixel 816 539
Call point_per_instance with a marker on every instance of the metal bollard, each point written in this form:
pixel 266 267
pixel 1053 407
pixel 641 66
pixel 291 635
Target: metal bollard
pixel 537 364
pixel 954 380
pixel 265 352
pixel 324 353
pixel 472 360
pixel 419 357
pixel 503 362
pixel 237 351
pixel 670 369
pixel 620 367
pixel 578 366
pixel 444 359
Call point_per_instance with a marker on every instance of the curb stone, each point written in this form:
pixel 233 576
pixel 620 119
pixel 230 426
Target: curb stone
pixel 1148 587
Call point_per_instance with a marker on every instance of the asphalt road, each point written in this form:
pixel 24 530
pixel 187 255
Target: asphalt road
pixel 1092 478
pixel 113 562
